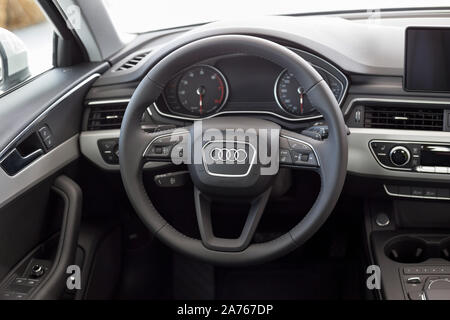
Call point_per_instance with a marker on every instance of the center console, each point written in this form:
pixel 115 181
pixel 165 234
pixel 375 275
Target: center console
pixel 413 266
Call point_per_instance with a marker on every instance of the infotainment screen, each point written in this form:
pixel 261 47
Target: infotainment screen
pixel 427 59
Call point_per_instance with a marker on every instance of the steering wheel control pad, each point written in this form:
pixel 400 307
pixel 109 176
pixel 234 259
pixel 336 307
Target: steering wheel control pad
pixel 295 152
pixel 168 147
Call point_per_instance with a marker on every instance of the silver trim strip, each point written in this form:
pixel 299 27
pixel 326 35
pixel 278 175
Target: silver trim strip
pixel 103 102
pixel 412 196
pixel 46 111
pixel 47 164
pixel 418 101
pixel 110 101
pixel 223 113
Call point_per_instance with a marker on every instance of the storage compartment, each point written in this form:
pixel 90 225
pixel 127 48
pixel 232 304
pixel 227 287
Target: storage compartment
pixel 417 249
pixel 406 249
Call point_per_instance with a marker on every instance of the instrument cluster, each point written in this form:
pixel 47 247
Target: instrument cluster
pixel 244 84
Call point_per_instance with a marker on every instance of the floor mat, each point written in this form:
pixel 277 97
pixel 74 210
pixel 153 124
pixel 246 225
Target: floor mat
pixel 312 280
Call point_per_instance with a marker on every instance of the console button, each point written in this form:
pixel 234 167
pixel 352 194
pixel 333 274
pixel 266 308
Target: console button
pixel 414 280
pixel 379 146
pixel 48 142
pixel 382 220
pixel 7 295
pixel 417 191
pixel 430 192
pixel 415 149
pixel 19 281
pixel 404 190
pixel 44 132
pixel 107 145
pixel 416 295
pixel 400 156
pixel 109 150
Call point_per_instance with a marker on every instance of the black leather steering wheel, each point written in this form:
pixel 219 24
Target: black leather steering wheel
pixel 233 181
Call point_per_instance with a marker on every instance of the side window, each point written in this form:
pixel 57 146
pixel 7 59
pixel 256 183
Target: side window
pixel 26 42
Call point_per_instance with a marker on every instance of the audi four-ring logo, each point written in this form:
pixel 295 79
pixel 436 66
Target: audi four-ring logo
pixel 226 154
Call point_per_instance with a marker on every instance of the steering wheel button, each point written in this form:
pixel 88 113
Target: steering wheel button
pixel 304 157
pixel 298 146
pixel 285 156
pixel 284 143
pixel 168 140
pixel 295 156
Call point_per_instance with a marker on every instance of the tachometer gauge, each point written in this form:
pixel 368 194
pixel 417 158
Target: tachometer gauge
pixel 200 90
pixel 291 97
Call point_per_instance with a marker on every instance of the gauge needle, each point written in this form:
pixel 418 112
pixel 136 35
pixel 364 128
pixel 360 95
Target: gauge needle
pixel 201 93
pixel 300 91
pixel 201 103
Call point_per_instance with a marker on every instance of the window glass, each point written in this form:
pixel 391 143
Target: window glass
pixel 136 16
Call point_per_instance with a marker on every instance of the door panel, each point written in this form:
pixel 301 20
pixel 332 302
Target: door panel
pixel 53 100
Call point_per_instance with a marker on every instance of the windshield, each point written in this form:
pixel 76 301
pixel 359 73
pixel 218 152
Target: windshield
pixel 136 16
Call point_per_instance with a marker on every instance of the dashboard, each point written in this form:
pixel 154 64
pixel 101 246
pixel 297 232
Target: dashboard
pixel 245 84
pixel 364 66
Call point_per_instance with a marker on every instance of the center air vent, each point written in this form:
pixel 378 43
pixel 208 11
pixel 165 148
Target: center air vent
pixel 407 117
pixel 132 62
pixel 106 117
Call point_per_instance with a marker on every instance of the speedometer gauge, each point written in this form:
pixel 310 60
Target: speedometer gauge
pixel 200 90
pixel 291 96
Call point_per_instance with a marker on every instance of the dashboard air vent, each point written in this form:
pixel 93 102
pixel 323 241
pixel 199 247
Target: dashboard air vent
pixel 408 118
pixel 131 63
pixel 106 117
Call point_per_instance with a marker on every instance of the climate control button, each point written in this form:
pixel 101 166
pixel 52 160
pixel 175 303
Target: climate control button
pixel 400 156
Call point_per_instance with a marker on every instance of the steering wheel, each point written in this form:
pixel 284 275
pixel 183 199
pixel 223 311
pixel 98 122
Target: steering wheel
pixel 233 168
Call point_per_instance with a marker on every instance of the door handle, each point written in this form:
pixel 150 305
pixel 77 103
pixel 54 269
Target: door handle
pixel 14 161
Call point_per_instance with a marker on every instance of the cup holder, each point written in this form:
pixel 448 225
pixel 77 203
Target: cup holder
pixel 445 249
pixel 408 250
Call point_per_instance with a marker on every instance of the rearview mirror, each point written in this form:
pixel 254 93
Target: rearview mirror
pixel 13 60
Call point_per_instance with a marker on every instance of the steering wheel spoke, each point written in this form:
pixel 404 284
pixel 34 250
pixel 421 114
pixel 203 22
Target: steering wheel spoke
pixel 204 218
